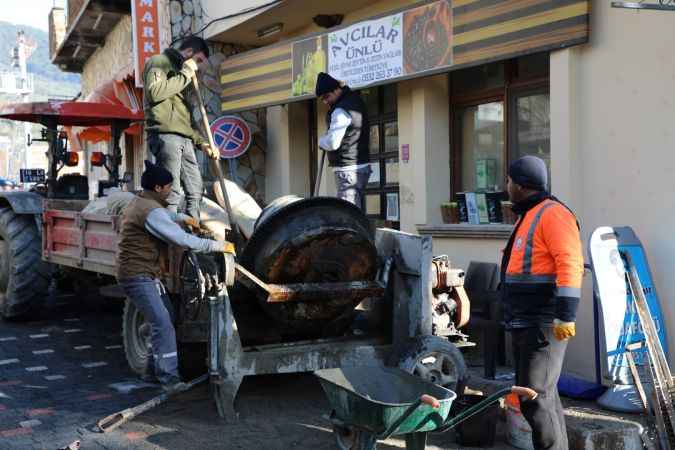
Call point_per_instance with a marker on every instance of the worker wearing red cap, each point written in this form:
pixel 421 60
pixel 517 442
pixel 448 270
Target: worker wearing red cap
pixel 542 269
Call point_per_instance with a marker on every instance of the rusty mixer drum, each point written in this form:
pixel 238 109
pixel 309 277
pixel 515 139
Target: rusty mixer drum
pixel 315 240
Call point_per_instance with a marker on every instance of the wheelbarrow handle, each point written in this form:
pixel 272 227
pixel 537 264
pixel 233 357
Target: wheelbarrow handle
pixel 521 391
pixel 430 400
pixel 529 394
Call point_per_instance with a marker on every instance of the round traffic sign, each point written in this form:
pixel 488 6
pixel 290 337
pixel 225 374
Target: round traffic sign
pixel 231 135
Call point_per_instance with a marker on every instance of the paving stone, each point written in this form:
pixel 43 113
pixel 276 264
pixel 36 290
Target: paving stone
pixel 91 365
pixel 4 362
pixel 32 423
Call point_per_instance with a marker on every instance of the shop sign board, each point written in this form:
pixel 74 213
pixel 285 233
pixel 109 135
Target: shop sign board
pixel 377 50
pixel 145 31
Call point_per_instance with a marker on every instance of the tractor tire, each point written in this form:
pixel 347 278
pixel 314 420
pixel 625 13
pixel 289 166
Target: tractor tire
pixel 136 337
pixel 433 359
pixel 136 333
pixel 24 276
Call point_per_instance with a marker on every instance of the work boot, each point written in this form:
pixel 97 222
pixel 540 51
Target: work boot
pixel 173 384
pixel 148 375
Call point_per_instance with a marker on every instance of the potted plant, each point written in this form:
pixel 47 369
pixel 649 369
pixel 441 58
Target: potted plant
pixel 509 217
pixel 449 212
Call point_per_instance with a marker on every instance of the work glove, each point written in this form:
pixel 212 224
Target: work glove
pixel 228 247
pixel 211 152
pixel 192 222
pixel 563 330
pixel 190 65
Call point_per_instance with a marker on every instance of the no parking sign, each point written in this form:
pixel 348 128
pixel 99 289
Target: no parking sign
pixel 231 135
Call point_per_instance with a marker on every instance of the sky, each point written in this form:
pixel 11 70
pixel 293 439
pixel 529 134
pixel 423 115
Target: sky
pixel 35 15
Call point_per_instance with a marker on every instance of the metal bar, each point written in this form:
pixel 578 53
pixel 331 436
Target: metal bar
pixel 253 278
pixel 317 185
pixel 633 5
pixel 636 377
pixel 216 163
pixel 279 293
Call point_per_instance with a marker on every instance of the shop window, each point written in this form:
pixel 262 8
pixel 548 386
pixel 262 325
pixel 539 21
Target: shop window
pixel 381 196
pixel 499 112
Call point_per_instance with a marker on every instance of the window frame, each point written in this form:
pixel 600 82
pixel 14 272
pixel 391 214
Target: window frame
pixel 513 88
pixel 383 188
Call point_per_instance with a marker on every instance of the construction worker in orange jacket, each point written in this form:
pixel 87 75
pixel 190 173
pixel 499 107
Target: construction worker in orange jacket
pixel 542 269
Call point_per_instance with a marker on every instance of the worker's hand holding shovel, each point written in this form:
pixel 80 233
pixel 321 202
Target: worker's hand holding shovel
pixel 192 223
pixel 190 65
pixel 211 152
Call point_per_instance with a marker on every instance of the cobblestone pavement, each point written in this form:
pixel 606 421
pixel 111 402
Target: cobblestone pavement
pixel 65 370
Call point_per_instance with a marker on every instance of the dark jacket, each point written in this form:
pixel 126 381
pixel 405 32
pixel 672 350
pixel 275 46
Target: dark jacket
pixel 165 83
pixel 354 147
pixel 542 266
pixel 139 253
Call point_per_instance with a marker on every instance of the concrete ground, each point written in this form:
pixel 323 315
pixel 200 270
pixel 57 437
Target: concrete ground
pixel 62 372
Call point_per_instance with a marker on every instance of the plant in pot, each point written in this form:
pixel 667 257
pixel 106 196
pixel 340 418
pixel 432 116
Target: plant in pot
pixel 508 215
pixel 450 212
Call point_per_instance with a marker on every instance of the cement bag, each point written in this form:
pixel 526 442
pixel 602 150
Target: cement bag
pixel 244 208
pixel 117 201
pixel 97 206
pixel 213 218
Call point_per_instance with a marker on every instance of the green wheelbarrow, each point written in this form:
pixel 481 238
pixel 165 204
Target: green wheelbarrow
pixel 374 403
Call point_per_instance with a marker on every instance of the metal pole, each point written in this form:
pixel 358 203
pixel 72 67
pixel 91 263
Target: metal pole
pixel 319 174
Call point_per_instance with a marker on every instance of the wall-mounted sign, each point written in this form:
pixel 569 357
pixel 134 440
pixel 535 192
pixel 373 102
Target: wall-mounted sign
pixel 405 153
pixel 145 30
pixel 436 37
pixel 231 135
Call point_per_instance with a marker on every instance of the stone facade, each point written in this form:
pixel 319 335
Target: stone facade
pixel 107 61
pixel 57 29
pixel 186 18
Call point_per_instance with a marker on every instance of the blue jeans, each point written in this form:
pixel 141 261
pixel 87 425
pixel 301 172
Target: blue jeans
pixel 177 155
pixel 149 296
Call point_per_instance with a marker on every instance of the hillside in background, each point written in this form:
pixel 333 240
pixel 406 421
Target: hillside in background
pixel 49 80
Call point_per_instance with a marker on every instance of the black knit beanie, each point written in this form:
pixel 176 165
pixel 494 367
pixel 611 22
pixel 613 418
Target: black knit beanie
pixel 325 84
pixel 529 172
pixel 155 176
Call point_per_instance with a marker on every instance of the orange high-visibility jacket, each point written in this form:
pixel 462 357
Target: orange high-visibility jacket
pixel 544 267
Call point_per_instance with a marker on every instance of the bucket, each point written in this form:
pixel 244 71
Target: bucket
pixel 518 430
pixel 478 430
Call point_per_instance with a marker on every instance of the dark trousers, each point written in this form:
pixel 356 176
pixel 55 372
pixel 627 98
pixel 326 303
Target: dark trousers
pixel 538 358
pixel 177 155
pixel 150 298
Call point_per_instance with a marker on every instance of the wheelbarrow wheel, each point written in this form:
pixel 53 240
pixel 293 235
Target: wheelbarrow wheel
pixel 433 359
pixel 349 438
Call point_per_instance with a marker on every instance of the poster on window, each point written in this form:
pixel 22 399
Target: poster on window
pixel 392 207
pixel 367 52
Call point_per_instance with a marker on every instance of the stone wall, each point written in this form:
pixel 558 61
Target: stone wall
pixel 107 61
pixel 57 29
pixel 187 17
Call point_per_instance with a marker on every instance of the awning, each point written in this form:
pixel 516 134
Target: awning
pixel 118 91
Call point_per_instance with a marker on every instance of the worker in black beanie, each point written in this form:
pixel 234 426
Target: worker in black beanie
pixel 346 139
pixel 529 172
pixel 541 275
pixel 148 228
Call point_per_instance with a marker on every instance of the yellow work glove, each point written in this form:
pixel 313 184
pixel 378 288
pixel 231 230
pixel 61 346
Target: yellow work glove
pixel 563 330
pixel 228 247
pixel 191 66
pixel 211 152
pixel 192 222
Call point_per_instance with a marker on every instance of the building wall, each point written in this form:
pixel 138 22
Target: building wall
pixel 108 60
pixel 619 137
